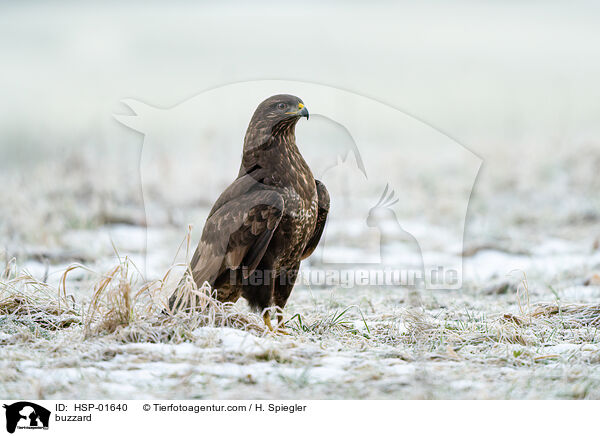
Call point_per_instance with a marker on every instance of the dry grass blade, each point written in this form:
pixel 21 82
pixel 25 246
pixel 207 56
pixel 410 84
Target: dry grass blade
pixel 201 303
pixel 576 315
pixel 135 312
pixel 28 299
pixel 122 304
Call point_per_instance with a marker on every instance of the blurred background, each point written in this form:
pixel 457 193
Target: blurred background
pixel 497 72
pixel 516 83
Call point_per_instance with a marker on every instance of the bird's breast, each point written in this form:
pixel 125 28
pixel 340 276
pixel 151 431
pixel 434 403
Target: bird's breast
pixel 296 227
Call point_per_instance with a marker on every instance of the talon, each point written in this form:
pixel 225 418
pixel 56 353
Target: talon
pixel 283 331
pixel 281 326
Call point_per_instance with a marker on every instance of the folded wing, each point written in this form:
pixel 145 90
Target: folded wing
pixel 237 232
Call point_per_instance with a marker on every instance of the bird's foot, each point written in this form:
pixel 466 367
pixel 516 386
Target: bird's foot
pixel 280 330
pixel 281 326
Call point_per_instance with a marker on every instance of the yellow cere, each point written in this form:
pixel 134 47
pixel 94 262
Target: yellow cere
pixel 300 105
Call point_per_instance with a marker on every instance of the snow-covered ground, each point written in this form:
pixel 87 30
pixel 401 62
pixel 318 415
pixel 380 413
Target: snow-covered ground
pixel 510 86
pixel 524 323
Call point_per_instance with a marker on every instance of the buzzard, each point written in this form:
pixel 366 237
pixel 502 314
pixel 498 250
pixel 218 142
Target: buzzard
pixel 267 221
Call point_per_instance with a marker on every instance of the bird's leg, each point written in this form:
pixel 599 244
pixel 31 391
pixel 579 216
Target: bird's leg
pixel 267 320
pixel 282 290
pixel 260 291
pixel 280 323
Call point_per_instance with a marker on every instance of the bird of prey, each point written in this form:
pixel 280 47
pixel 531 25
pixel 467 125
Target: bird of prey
pixel 267 221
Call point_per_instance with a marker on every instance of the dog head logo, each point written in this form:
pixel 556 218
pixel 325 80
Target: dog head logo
pixel 26 415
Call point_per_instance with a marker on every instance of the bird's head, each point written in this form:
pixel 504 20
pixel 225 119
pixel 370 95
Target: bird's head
pixel 281 108
pixel 278 115
pixel 274 122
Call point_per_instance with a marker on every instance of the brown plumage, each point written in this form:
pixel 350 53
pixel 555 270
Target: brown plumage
pixel 268 220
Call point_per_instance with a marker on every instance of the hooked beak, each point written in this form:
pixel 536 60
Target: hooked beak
pixel 301 112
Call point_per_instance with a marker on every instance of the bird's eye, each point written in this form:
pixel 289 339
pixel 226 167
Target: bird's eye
pixel 281 106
